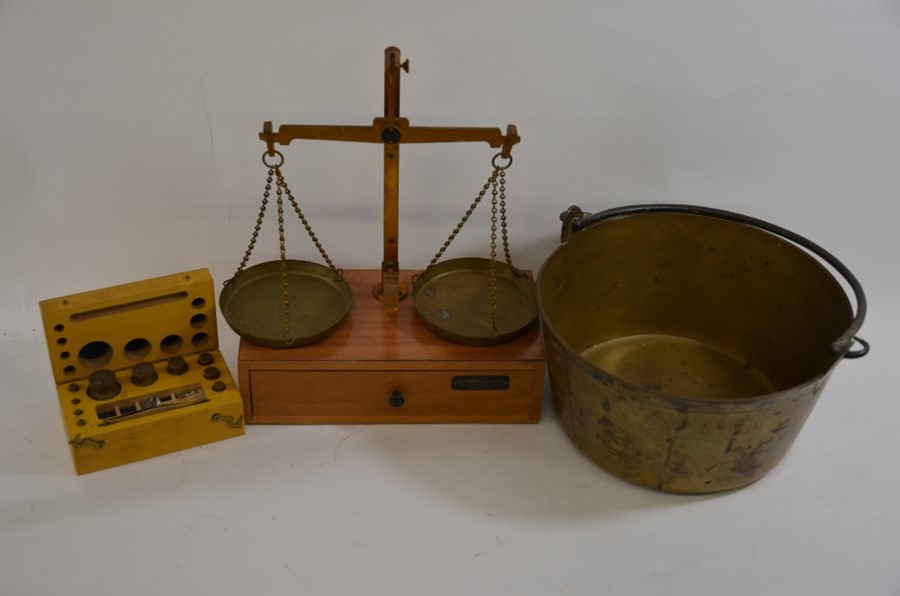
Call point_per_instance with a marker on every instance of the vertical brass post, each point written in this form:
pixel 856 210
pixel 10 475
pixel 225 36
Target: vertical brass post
pixel 390 290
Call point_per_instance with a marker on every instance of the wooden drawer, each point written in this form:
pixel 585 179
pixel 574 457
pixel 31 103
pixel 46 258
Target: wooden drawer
pixel 395 396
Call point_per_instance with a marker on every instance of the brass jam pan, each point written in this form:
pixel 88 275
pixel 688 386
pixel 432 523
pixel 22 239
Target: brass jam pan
pixel 253 304
pixel 454 301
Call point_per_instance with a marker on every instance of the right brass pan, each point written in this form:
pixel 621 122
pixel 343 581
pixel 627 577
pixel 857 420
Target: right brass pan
pixel 253 303
pixel 453 299
pixel 686 346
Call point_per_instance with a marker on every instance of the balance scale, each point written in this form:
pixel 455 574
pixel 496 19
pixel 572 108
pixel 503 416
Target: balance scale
pixel 457 342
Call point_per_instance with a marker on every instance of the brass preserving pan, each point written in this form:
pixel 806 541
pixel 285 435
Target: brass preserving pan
pixel 686 346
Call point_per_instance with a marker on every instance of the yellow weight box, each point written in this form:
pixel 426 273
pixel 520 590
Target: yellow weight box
pixel 138 371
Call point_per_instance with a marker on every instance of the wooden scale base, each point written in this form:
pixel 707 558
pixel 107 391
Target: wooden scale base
pixel 381 367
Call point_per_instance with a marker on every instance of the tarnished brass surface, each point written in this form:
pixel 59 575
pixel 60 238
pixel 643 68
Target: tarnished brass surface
pixel 253 307
pixel 678 365
pixel 685 351
pixel 454 301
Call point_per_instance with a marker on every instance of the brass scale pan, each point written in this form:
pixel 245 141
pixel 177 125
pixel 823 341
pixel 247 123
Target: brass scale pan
pixel 453 302
pixel 253 304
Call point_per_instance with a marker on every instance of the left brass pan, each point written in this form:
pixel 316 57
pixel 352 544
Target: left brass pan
pixel 253 304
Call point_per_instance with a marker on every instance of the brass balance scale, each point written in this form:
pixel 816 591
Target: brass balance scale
pixel 466 349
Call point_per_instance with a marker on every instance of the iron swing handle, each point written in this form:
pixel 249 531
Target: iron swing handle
pixel 575 220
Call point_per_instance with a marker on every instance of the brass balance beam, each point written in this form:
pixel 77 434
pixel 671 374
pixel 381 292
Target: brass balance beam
pixel 390 130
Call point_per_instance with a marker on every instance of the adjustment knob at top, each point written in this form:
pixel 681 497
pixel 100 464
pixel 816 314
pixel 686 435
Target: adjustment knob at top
pixel 143 374
pixel 177 366
pixel 102 384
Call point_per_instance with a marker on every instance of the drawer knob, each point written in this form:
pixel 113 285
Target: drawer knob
pixel 397 399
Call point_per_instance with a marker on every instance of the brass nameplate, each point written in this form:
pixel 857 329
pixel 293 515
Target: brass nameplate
pixel 480 383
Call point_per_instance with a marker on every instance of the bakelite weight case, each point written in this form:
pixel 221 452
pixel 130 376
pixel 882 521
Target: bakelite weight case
pixel 138 371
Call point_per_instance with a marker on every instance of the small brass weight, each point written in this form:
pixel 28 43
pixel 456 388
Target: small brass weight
pixel 444 293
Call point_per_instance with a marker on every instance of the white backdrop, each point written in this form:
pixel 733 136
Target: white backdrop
pixel 128 149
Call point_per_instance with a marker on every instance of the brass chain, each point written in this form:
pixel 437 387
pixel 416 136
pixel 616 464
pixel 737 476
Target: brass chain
pixel 339 274
pixel 285 295
pixel 503 226
pixel 498 172
pixel 256 228
pixel 494 194
pixel 461 223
